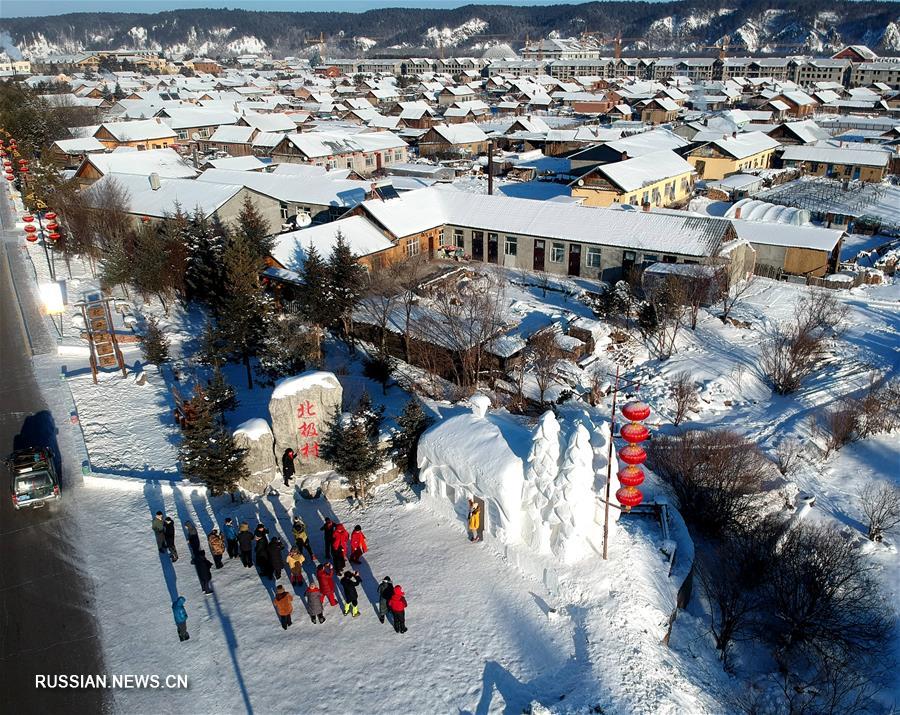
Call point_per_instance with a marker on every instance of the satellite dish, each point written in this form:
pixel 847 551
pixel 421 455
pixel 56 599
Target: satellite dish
pixel 581 182
pixel 195 136
pixel 303 219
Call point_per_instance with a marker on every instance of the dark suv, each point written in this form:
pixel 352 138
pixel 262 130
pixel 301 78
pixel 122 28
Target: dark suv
pixel 34 481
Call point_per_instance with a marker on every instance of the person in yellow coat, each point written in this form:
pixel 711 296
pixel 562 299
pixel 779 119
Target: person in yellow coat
pixel 295 566
pixel 474 521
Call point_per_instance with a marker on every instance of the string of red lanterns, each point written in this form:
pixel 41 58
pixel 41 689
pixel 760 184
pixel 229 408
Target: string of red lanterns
pixel 633 454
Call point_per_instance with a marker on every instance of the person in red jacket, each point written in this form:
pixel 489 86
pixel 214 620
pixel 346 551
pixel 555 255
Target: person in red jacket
pixel 325 576
pixel 397 604
pixel 340 538
pixel 358 545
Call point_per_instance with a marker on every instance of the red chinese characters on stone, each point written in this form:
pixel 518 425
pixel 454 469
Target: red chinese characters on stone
pixel 307 409
pixel 308 429
pixel 310 450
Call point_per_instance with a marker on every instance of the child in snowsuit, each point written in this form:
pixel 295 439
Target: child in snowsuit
pixel 216 546
pixel 295 566
pixel 276 562
pixel 180 614
pixel 245 543
pixel 314 601
pixel 204 571
pixel 301 536
pixel 385 591
pixel 159 528
pixel 170 538
pixel 231 542
pixel 349 582
pixel 193 539
pixel 397 605
pixel 284 606
pixel 287 466
pixel 328 529
pixel 325 576
pixel 358 545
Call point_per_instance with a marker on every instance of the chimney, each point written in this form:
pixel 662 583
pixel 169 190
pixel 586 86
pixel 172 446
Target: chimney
pixel 158 120
pixel 624 156
pixel 737 211
pixel 734 135
pixel 154 181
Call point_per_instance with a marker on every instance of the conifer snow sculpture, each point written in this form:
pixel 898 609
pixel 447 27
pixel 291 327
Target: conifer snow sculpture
pixel 573 504
pixel 540 474
pixel 633 455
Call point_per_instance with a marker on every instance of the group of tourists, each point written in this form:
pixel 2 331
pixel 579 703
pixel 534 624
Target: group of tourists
pixel 256 548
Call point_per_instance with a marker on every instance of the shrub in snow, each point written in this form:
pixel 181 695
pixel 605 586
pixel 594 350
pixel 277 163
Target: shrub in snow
pixel 881 506
pixel 154 343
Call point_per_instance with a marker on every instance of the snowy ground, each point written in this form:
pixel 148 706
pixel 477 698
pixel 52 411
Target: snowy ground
pixel 482 637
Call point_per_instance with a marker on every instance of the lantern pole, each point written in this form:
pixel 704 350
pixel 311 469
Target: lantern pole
pixel 609 456
pixel 44 244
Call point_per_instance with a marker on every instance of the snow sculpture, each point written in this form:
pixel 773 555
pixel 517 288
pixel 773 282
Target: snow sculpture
pixel 256 437
pixel 571 517
pixel 540 473
pixel 302 409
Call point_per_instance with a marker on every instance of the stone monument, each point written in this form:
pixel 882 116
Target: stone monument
pixel 302 408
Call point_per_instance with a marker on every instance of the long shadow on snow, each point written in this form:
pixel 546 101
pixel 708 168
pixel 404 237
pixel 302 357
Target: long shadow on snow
pixel 155 502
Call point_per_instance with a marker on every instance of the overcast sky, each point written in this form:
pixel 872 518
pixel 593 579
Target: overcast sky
pixel 32 8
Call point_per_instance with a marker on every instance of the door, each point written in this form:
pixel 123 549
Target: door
pixel 628 259
pixel 477 246
pixel 538 264
pixel 574 259
pixel 493 247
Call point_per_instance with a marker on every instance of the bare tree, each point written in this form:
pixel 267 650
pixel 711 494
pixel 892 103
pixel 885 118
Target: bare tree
pixel 668 302
pixel 881 506
pixel 730 290
pixel 787 455
pixel 713 473
pixel 408 275
pixel 842 426
pixel 797 346
pixel 378 304
pixel 542 355
pixel 684 393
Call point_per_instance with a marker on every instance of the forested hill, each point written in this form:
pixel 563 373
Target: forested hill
pixel 691 26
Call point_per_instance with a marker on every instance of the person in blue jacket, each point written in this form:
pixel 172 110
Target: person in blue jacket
pixel 180 614
pixel 231 541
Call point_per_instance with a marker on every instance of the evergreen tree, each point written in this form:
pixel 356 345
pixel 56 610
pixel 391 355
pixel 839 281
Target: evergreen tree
pixel 154 343
pixel 313 298
pixel 150 264
pixel 351 445
pixel 211 345
pixel 412 423
pixel 116 266
pixel 255 229
pixel 289 345
pixel 371 416
pixel 204 248
pixel 208 453
pixel 246 309
pixel 219 392
pixel 347 283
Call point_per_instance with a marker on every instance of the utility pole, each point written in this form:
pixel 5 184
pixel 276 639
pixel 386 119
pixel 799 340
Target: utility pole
pixel 490 167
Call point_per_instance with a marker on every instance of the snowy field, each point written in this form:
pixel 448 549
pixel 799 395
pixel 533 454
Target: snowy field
pixel 482 637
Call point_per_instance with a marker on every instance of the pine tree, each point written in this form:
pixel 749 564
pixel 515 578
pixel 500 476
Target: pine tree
pixel 208 453
pixel 154 343
pixel 149 264
pixel 255 229
pixel 219 392
pixel 204 242
pixel 412 423
pixel 347 283
pixel 288 347
pixel 211 345
pixel 246 309
pixel 351 445
pixel 116 266
pixel 313 298
pixel 370 416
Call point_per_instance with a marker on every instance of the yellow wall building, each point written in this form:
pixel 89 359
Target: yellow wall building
pixel 730 155
pixel 660 178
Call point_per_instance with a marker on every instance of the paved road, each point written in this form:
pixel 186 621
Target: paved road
pixel 47 622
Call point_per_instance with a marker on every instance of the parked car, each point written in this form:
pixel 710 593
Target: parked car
pixel 33 480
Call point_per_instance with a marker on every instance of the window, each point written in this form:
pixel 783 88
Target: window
pixel 369 161
pixel 284 212
pixel 593 257
pixel 645 198
pixel 458 237
pixel 412 247
pixel 511 246
pixel 649 258
pixel 557 253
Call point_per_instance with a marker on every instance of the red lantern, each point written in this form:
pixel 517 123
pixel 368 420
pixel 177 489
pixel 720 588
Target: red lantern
pixel 7 163
pixel 49 215
pixel 30 228
pixel 10 177
pixel 31 237
pixel 634 432
pixel 23 161
pixel 23 169
pixel 635 411
pixel 633 454
pixel 52 226
pixel 55 236
pixel 28 218
pixel 629 497
pixel 631 476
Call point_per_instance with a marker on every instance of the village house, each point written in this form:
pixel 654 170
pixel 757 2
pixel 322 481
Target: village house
pixel 838 162
pixel 140 134
pixel 453 140
pixel 364 153
pixel 165 163
pixel 659 178
pixel 658 110
pixel 732 154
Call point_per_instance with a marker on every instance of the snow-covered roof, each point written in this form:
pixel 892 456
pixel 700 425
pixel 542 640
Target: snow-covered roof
pixel 164 162
pixel 190 117
pixel 632 174
pixel 836 155
pixel 232 134
pixel 319 190
pixel 144 200
pixel 238 163
pixel 321 144
pixel 746 144
pixel 270 122
pixel 461 133
pixel 361 235
pixel 79 146
pixel 139 130
pixel 779 234
pixel 647 142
